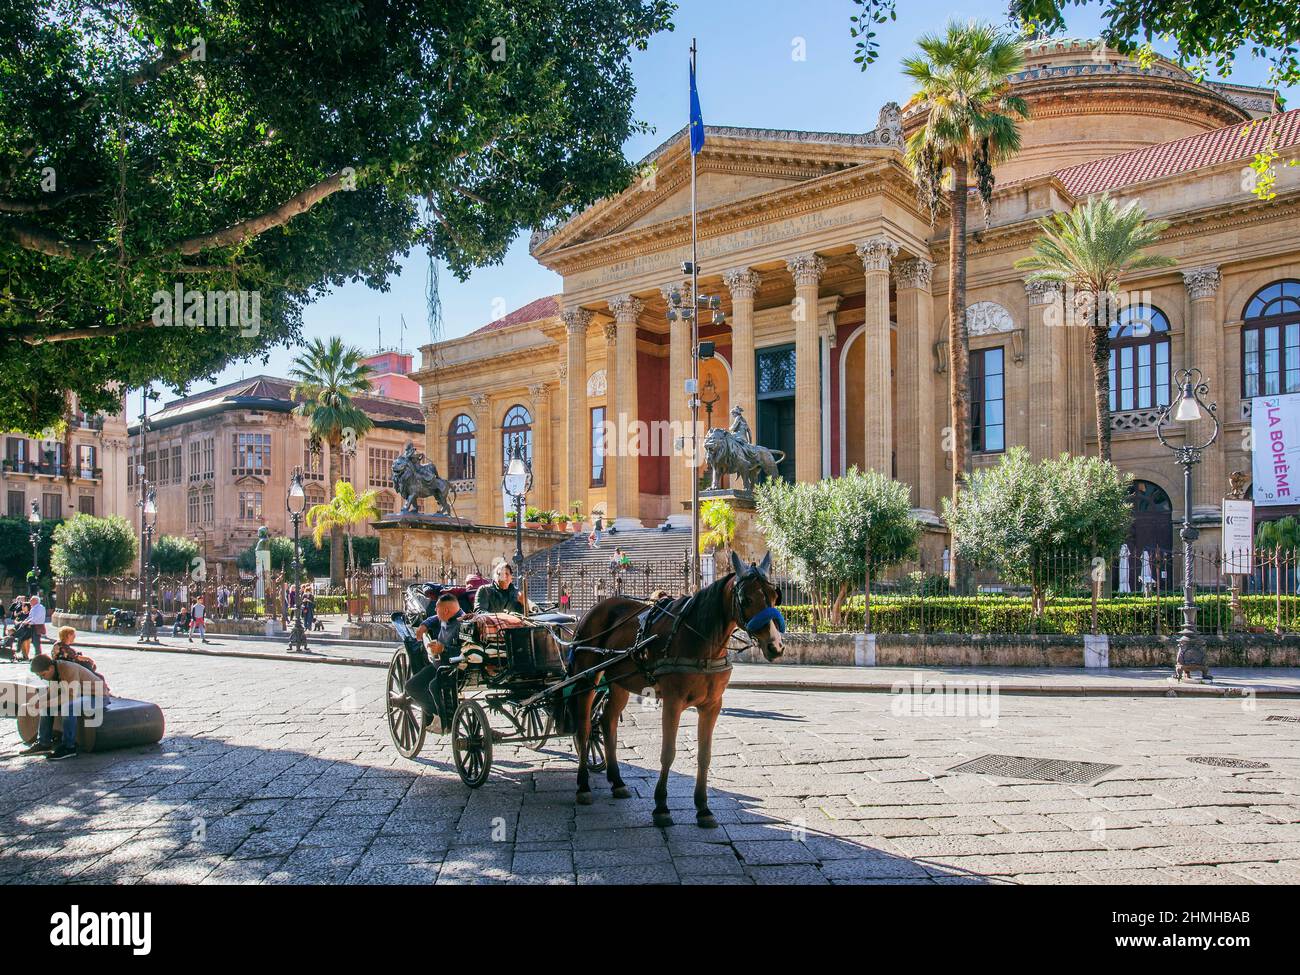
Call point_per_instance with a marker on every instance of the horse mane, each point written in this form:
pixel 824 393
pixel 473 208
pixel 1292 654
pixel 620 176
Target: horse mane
pixel 707 612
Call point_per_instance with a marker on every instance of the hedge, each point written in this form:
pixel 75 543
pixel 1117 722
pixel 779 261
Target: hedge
pixel 1117 616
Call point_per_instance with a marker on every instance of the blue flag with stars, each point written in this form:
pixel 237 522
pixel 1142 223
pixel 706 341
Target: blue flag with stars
pixel 697 119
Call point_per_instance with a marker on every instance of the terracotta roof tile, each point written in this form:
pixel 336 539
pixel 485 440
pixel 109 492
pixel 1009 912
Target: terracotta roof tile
pixel 534 311
pixel 1182 155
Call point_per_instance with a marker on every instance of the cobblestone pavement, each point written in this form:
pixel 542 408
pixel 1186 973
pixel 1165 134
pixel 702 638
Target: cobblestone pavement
pixel 275 773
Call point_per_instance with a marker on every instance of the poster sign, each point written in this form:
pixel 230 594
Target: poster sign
pixel 1238 537
pixel 1275 435
pixel 379 578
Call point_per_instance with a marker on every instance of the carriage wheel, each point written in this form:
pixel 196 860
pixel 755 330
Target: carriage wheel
pixel 406 722
pixel 471 743
pixel 596 743
pixel 538 724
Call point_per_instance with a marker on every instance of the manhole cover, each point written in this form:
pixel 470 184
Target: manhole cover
pixel 1294 719
pixel 1039 769
pixel 1215 762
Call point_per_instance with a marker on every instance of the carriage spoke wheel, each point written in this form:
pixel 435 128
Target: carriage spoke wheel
pixel 471 743
pixel 406 722
pixel 538 724
pixel 596 741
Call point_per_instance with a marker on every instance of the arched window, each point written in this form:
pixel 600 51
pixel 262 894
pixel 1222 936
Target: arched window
pixel 1139 359
pixel 1270 341
pixel 461 448
pixel 517 428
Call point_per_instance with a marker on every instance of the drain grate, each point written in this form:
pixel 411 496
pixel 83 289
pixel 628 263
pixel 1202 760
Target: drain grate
pixel 1038 769
pixel 1216 762
pixel 1294 719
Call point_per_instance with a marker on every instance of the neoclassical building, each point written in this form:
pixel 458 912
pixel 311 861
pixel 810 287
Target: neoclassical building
pixel 834 279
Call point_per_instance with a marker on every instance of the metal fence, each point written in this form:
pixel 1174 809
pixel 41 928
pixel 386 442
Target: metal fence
pixel 1058 594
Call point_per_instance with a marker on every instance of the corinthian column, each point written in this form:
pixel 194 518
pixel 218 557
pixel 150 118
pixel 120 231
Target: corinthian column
pixel 539 395
pixel 1203 348
pixel 487 462
pixel 680 470
pixel 1046 335
pixel 916 440
pixel 807 270
pixel 577 455
pixel 612 460
pixel 743 285
pixel 876 253
pixel 627 487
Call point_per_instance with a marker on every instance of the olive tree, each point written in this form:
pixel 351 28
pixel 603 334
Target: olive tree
pixel 173 554
pixel 89 546
pixel 832 535
pixel 1039 523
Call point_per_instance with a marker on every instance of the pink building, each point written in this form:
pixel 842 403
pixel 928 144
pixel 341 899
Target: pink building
pixel 389 376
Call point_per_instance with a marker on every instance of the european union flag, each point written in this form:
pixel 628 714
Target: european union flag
pixel 697 119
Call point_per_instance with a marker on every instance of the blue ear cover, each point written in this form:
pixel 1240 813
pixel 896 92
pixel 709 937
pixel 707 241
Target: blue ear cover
pixel 764 617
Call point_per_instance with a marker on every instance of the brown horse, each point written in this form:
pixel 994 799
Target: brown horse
pixel 685 666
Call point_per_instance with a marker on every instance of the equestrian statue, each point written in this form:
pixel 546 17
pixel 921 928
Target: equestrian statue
pixel 732 451
pixel 413 479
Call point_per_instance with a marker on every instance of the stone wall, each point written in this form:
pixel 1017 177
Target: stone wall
pixel 405 541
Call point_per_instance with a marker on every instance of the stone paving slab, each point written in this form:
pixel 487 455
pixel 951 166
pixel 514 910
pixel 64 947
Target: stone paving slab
pixel 275 774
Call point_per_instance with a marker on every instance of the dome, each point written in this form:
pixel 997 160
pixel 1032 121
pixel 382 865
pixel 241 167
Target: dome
pixel 1087 101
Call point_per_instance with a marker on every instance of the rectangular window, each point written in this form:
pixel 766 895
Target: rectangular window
pixel 209 507
pixel 209 458
pixel 178 473
pixel 17 504
pixel 164 466
pixel 252 454
pixel 987 422
pixel 192 508
pixel 86 460
pixel 86 504
pixel 380 466
pixel 1250 363
pixel 598 446
pixel 250 505
pixel 196 459
pixel 313 462
pixel 51 506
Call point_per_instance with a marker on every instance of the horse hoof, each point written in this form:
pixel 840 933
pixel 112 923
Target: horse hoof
pixel 706 821
pixel 584 799
pixel 622 792
pixel 663 819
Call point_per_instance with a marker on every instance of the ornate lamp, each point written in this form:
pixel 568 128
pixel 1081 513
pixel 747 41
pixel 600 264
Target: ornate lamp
pixel 517 482
pixel 295 503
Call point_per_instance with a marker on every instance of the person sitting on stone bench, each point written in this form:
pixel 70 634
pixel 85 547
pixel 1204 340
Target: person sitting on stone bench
pixel 72 691
pixel 64 650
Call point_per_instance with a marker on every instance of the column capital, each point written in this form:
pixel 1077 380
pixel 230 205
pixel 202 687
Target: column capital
pixel 562 373
pixel 876 252
pixel 683 288
pixel 626 308
pixel 611 331
pixel 807 268
pixel 1043 292
pixel 742 282
pixel 915 272
pixel 537 390
pixel 479 402
pixel 576 320
pixel 1202 282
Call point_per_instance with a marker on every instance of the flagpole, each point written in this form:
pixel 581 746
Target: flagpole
pixel 695 376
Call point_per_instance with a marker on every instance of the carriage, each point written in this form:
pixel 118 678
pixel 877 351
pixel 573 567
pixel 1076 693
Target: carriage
pixel 510 688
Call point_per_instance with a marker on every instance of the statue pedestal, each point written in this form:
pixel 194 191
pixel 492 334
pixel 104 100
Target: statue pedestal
pixel 738 499
pixel 436 540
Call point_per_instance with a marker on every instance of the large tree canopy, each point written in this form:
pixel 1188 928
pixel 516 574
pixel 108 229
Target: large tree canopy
pixel 1207 34
pixel 218 146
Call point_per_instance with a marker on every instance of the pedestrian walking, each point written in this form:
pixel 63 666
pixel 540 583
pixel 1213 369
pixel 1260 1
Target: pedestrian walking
pixel 36 620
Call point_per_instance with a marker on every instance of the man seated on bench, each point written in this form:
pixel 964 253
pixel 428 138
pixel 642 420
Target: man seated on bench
pixel 428 685
pixel 73 689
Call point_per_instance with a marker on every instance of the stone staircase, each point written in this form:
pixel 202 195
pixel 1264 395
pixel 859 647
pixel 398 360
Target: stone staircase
pixel 658 561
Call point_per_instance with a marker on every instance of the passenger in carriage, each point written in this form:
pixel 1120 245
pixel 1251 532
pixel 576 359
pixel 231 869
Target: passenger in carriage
pixel 502 596
pixel 426 686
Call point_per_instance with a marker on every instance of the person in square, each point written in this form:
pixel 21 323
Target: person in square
pixel 74 691
pixel 502 596
pixel 429 685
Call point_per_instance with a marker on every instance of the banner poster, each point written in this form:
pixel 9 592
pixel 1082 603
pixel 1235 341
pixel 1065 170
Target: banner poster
pixel 1275 432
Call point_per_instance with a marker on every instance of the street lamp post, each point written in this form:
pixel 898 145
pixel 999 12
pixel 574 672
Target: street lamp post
pixel 148 519
pixel 34 519
pixel 1188 408
pixel 296 503
pixel 517 482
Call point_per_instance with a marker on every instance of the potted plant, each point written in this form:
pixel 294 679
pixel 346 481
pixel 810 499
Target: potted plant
pixel 575 516
pixel 510 519
pixel 532 516
pixel 546 519
pixel 561 521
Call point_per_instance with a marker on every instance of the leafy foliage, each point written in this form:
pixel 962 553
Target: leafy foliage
pixel 1036 523
pixel 1280 535
pixel 173 554
pixel 89 546
pixel 717 525
pixel 833 532
pixel 281 557
pixel 278 150
pixel 340 514
pixel 16 546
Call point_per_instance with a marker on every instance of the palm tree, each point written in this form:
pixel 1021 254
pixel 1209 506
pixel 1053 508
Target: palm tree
pixel 717 526
pixel 963 77
pixel 326 378
pixel 338 515
pixel 1089 250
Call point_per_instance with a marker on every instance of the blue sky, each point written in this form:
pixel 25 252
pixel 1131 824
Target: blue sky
pixel 748 75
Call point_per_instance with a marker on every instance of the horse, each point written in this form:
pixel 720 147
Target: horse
pixel 725 453
pixel 686 665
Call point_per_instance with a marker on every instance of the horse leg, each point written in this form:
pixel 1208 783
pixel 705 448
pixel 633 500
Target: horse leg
pixel 614 705
pixel 704 752
pixel 672 716
pixel 581 713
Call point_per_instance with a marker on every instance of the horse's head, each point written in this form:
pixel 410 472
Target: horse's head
pixel 755 600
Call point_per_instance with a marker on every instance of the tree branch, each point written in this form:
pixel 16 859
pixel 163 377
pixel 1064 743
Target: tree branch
pixel 33 238
pixel 40 206
pixel 278 217
pixel 37 335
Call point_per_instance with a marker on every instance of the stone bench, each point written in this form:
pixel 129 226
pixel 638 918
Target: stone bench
pixel 125 722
